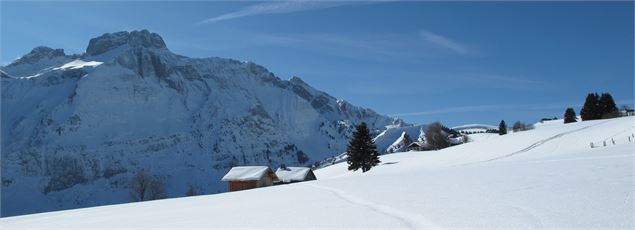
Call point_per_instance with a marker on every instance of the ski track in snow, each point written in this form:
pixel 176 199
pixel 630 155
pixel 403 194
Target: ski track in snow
pixel 628 198
pixel 583 158
pixel 529 216
pixel 543 141
pixel 411 220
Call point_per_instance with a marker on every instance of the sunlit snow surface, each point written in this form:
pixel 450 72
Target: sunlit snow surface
pixel 77 64
pixel 548 177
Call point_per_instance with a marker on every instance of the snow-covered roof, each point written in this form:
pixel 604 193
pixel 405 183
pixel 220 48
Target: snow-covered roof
pixel 245 173
pixel 289 174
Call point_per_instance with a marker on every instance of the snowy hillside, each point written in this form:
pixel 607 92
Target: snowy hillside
pixel 474 128
pixel 548 177
pixel 75 128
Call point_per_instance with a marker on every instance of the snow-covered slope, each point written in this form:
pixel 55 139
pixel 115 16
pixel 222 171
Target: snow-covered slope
pixel 401 144
pixel 548 177
pixel 75 128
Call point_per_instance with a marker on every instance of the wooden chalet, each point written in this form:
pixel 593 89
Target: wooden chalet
pixel 294 174
pixel 418 146
pixel 248 177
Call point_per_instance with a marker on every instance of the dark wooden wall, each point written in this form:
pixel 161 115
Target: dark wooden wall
pixel 242 185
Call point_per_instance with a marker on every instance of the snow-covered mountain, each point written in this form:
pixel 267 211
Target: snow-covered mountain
pixel 75 128
pixel 546 178
pixel 392 139
pixel 401 144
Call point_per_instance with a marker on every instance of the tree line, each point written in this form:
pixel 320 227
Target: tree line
pixel 516 127
pixel 595 107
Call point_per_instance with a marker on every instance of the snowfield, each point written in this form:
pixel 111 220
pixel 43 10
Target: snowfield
pixel 78 64
pixel 548 177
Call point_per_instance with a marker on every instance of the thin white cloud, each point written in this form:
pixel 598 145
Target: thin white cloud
pixel 370 47
pixel 439 40
pixel 485 108
pixel 460 109
pixel 275 8
pixel 506 82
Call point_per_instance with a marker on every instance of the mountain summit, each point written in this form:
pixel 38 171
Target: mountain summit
pixel 38 53
pixel 108 41
pixel 77 128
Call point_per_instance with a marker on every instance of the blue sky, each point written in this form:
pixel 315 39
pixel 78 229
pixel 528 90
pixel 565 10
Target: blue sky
pixel 457 62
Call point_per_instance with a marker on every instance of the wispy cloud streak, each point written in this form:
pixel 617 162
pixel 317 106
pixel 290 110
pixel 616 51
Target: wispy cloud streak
pixel 460 109
pixel 439 40
pixel 275 8
pixel 485 108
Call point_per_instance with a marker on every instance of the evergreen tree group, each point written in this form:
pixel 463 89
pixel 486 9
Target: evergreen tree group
pixel 598 107
pixel 569 116
pixel 361 151
pixel 502 128
pixel 520 126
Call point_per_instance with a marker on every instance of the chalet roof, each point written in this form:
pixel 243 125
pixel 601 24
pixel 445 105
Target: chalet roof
pixel 417 144
pixel 289 174
pixel 246 173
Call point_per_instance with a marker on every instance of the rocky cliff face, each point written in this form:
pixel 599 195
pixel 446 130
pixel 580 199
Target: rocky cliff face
pixel 111 41
pixel 76 128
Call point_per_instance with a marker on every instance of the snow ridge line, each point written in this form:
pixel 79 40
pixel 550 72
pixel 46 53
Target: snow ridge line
pixel 411 220
pixel 543 141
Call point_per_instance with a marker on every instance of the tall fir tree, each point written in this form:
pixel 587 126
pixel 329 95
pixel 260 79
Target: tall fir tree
pixel 362 152
pixel 607 106
pixel 569 116
pixel 502 128
pixel 591 109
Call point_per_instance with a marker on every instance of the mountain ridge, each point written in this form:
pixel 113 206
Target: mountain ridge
pixel 130 104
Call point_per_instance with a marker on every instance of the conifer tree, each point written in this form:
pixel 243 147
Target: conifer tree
pixel 502 128
pixel 607 106
pixel 569 116
pixel 591 110
pixel 362 152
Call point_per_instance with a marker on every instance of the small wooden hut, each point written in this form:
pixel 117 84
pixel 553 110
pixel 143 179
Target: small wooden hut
pixel 294 174
pixel 248 177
